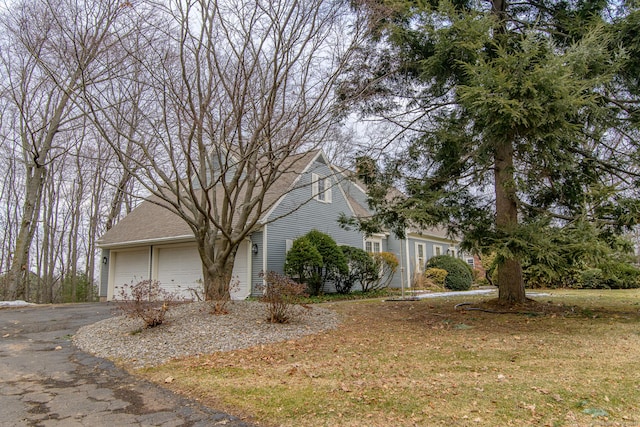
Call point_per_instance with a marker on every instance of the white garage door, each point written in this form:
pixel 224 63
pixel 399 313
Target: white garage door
pixel 180 270
pixel 241 289
pixel 129 267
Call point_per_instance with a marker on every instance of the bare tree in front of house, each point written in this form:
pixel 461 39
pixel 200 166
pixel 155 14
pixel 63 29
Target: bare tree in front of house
pixel 236 91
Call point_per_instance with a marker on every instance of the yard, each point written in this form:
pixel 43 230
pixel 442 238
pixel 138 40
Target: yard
pixel 571 360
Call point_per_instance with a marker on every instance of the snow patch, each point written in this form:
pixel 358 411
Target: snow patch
pixel 16 303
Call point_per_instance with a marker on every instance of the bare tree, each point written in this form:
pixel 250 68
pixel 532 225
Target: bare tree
pixel 238 89
pixel 50 50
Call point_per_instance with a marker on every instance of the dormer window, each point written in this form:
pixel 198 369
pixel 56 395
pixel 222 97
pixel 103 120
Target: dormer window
pixel 321 188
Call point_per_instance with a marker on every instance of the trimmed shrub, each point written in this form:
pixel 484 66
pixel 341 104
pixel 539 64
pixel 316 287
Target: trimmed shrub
pixel 315 258
pixel 303 260
pixel 459 276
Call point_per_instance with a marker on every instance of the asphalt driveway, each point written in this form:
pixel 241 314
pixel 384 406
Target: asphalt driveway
pixel 46 381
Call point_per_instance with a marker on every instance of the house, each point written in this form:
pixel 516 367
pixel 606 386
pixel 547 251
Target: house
pixel 153 243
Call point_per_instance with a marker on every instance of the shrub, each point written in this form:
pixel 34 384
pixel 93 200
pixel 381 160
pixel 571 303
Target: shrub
pixel 437 276
pixel 459 276
pixel 302 258
pixel 314 259
pixel 620 275
pixel 280 294
pixel 591 278
pixel 147 301
pixel 361 268
pixel 386 265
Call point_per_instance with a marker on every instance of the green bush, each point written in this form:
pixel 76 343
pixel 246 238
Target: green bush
pixel 314 259
pixel 459 275
pixel 361 269
pixel 592 278
pixel 303 260
pixel 620 275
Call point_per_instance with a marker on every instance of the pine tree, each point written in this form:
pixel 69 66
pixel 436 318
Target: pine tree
pixel 518 115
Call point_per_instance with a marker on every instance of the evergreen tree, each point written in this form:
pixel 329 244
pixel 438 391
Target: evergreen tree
pixel 516 116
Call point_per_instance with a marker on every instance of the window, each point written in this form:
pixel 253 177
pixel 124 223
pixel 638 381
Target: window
pixel 470 262
pixel 452 252
pixel 321 188
pixel 420 256
pixel 373 246
pixel 437 250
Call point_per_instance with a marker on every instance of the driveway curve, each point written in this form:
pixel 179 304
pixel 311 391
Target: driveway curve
pixel 46 381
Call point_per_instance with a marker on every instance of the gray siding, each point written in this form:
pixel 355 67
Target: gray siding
pixel 304 214
pixel 104 273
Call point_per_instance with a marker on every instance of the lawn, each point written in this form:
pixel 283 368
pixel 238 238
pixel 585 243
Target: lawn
pixel 572 360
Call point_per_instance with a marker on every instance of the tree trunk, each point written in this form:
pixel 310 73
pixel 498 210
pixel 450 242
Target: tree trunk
pixel 510 280
pixel 19 272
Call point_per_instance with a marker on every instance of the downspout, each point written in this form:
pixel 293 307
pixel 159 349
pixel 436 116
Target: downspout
pixel 408 260
pixel 264 257
pixel 402 268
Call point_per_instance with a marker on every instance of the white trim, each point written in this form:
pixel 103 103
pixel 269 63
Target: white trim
pixel 324 195
pixel 264 255
pixel 420 262
pixel 373 240
pixel 431 238
pixel 177 239
pixel 435 250
pixel 408 261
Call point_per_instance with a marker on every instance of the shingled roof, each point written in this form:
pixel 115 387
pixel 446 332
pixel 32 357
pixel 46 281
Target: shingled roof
pixel 151 222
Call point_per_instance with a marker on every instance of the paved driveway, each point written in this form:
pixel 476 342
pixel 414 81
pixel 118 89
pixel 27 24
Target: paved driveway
pixel 46 381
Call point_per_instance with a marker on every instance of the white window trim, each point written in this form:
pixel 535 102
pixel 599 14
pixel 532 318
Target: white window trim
pixel 435 250
pixel 325 196
pixel 373 241
pixel 420 262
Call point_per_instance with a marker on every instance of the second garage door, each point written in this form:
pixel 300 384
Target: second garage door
pixel 179 270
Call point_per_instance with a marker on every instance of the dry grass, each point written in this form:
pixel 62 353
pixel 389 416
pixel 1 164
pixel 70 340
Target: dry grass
pixel 571 360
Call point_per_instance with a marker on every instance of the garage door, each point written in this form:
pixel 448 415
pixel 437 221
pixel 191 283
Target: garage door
pixel 180 270
pixel 241 289
pixel 130 267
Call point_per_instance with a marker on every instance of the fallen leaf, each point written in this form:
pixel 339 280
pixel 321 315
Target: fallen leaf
pixel 169 380
pixel 58 347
